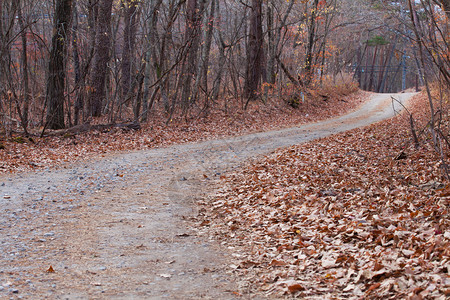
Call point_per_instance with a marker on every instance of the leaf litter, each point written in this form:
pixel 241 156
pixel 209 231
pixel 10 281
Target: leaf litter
pixel 224 120
pixel 339 218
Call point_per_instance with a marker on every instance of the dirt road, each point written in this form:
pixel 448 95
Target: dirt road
pixel 120 226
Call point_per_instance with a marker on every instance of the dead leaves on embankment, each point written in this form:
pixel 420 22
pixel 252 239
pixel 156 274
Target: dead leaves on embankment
pixel 225 118
pixel 340 218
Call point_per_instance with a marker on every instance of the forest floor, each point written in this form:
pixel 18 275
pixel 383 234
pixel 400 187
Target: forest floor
pixel 363 214
pixel 129 224
pixel 18 154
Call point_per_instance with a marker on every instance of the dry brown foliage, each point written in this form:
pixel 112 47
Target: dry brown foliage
pixel 358 215
pixel 20 153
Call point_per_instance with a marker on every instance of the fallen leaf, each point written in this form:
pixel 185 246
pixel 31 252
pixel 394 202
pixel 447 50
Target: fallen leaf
pixel 295 288
pixel 277 263
pixel 328 261
pixel 50 270
pixel 373 286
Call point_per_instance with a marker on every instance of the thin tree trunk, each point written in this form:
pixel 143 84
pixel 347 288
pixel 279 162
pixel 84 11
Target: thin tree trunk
pixel 194 13
pixel 372 73
pixel 128 45
pixel 56 66
pixel 358 66
pixel 222 59
pixel 2 46
pixel 151 59
pixel 78 107
pixel 24 59
pixel 271 49
pixel 415 22
pixel 311 41
pixel 382 61
pixel 138 99
pixel 101 58
pixel 382 87
pixel 366 70
pixel 255 52
pixel 203 64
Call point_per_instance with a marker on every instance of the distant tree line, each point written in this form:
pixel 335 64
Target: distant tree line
pixel 67 62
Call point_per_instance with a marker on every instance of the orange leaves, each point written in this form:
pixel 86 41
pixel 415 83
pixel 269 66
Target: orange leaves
pixel 50 270
pixel 295 288
pixel 51 151
pixel 277 263
pixel 343 216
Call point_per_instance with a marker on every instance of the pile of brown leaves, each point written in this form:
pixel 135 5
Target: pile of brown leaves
pixel 224 119
pixel 358 215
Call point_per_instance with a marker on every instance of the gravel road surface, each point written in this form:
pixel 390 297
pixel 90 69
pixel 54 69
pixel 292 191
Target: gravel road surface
pixel 120 226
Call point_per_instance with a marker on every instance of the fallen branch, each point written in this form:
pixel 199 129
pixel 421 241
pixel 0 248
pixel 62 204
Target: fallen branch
pixel 88 127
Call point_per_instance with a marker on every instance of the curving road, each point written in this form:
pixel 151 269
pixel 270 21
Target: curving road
pixel 120 227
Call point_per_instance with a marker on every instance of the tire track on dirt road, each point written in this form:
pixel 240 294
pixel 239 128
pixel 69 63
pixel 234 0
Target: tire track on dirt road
pixel 119 227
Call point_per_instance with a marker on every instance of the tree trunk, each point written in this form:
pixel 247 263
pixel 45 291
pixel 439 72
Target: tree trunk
pixel 24 59
pixel 309 70
pixel 358 66
pixel 56 65
pixel 382 62
pixel 128 45
pixel 78 107
pixel 382 87
pixel 194 12
pixel 151 57
pixel 276 49
pixel 271 50
pixel 101 58
pixel 203 64
pixel 372 72
pixel 254 52
pixel 221 61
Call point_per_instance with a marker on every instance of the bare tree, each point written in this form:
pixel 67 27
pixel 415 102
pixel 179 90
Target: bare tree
pixel 23 111
pixel 101 58
pixel 128 49
pixel 309 70
pixel 56 66
pixel 192 36
pixel 255 52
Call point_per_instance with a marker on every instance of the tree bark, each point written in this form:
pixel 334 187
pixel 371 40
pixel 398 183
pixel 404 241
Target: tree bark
pixel 311 41
pixel 271 49
pixel 78 107
pixel 151 57
pixel 254 53
pixel 128 44
pixel 194 13
pixel 372 72
pixel 24 60
pixel 201 81
pixel 56 66
pixel 222 58
pixel 382 86
pixel 97 93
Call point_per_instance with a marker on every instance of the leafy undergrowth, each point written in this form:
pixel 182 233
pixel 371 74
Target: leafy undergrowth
pixel 20 153
pixel 358 215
